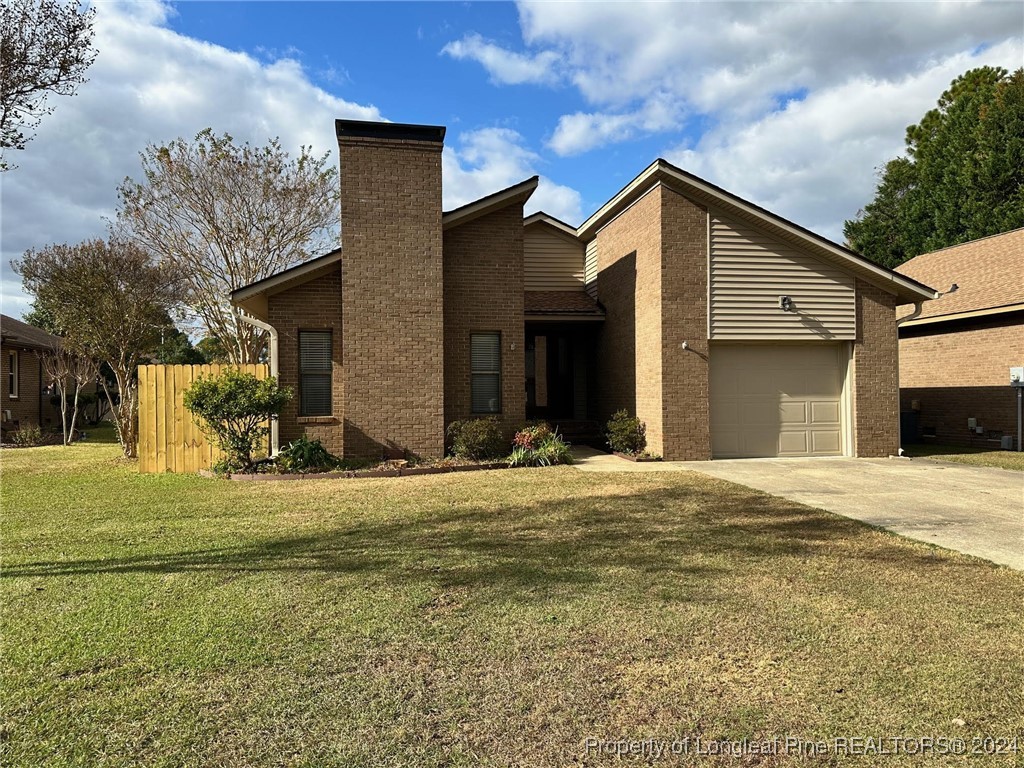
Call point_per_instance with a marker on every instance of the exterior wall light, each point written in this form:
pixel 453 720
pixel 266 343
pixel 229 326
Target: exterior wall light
pixel 785 303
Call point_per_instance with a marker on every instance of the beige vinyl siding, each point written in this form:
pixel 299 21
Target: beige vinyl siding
pixel 551 261
pixel 750 271
pixel 590 269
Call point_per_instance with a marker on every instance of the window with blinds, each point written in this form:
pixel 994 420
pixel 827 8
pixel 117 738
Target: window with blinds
pixel 315 373
pixel 485 370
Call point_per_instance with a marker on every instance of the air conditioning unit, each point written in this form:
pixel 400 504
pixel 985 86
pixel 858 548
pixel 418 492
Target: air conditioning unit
pixel 1006 442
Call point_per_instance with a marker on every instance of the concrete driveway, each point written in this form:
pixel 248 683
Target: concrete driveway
pixel 976 510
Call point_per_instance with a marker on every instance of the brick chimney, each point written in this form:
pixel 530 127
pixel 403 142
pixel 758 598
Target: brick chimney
pixel 392 292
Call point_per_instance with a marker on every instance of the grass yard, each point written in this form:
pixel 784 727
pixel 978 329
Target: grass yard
pixel 978 457
pixel 488 618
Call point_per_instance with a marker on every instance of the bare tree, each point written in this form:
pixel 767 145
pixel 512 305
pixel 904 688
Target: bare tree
pixel 112 299
pixel 68 370
pixel 45 47
pixel 227 215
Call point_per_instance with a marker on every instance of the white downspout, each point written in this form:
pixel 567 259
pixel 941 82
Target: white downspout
pixel 272 332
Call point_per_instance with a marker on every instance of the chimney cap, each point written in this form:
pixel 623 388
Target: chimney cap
pixel 366 129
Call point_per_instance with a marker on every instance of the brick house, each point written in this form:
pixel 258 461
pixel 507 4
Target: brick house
pixel 729 330
pixel 956 352
pixel 24 401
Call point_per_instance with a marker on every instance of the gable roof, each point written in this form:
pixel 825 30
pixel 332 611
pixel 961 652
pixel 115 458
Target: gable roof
pixel 252 297
pixel 708 194
pixel 988 272
pixel 21 334
pixel 465 213
pixel 545 218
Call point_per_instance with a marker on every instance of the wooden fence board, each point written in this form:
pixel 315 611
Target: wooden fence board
pixel 170 439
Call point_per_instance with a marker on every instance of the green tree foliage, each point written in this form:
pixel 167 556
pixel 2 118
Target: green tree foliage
pixel 176 348
pixel 235 409
pixel 962 177
pixel 110 299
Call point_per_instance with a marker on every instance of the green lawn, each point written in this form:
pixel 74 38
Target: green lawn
pixel 488 618
pixel 978 457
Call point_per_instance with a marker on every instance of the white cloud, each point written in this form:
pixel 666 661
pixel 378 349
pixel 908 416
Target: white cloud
pixel 814 160
pixel 149 84
pixel 505 67
pixel 729 61
pixel 582 131
pixel 489 159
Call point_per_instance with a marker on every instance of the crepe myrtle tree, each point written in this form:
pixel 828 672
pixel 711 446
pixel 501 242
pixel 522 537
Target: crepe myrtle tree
pixel 235 409
pixel 45 48
pixel 226 215
pixel 109 299
pixel 70 371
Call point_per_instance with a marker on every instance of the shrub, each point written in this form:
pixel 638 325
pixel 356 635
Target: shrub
pixel 477 439
pixel 537 446
pixel 626 434
pixel 305 455
pixel 234 409
pixel 27 436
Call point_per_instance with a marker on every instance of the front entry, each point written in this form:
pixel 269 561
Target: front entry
pixel 557 373
pixel 776 400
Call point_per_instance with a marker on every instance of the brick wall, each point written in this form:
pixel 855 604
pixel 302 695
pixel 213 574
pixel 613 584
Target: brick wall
pixel 392 294
pixel 629 343
pixel 652 262
pixel 875 374
pixel 684 290
pixel 25 408
pixel 957 371
pixel 311 306
pixel 483 291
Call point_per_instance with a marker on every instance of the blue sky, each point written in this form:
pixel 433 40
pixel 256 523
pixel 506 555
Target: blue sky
pixel 791 105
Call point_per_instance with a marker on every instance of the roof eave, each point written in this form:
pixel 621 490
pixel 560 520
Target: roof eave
pixel 517 193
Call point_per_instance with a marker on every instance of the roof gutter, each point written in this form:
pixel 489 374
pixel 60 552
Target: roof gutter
pixel 272 332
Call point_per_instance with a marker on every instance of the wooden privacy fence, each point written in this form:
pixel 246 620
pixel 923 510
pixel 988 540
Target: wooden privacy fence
pixel 170 440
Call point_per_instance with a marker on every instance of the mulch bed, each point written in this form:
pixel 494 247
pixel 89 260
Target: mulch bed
pixel 635 457
pixel 380 471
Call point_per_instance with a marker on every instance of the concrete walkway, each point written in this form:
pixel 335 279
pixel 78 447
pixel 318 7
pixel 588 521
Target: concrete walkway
pixel 975 510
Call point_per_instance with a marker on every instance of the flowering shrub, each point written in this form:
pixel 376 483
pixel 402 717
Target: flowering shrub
pixel 533 436
pixel 538 446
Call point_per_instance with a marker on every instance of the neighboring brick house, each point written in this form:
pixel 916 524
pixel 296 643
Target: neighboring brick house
pixel 956 353
pixel 25 403
pixel 729 330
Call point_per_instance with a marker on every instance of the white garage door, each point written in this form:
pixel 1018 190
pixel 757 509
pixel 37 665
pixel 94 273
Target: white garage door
pixel 776 400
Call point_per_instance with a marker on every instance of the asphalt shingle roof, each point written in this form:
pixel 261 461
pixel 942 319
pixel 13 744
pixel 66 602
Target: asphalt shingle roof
pixel 989 273
pixel 20 334
pixel 561 303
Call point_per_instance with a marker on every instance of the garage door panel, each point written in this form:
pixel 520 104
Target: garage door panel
pixel 758 411
pixel 826 442
pixel 793 443
pixel 793 412
pixel 776 400
pixel 824 412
